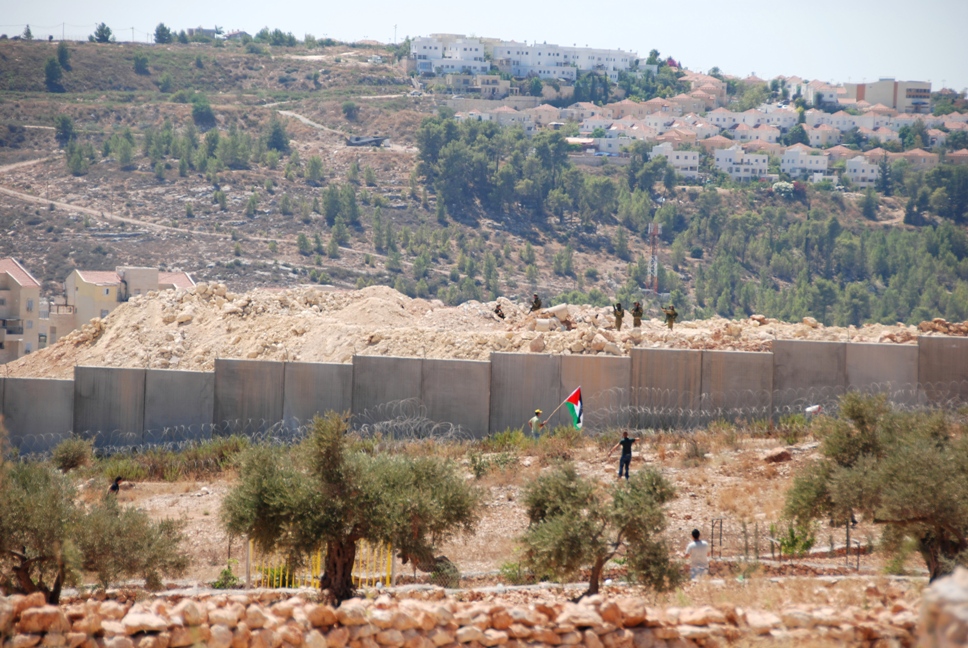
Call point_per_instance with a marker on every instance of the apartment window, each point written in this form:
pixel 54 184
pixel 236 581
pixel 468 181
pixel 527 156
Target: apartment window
pixel 3 301
pixel 30 305
pixel 104 313
pixel 30 324
pixel 28 348
pixel 41 340
pixel 107 291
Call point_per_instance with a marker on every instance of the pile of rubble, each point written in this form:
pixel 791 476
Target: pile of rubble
pixel 938 325
pixel 270 619
pixel 189 329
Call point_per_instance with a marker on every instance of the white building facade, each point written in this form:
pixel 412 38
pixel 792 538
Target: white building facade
pixel 741 166
pixel 686 163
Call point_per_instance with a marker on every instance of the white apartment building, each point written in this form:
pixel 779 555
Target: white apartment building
pixel 799 160
pixel 456 53
pixel 902 96
pixel 686 163
pixel 448 54
pixel 861 172
pixel 741 166
pixel 559 62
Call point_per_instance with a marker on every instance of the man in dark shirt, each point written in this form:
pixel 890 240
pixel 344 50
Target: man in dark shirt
pixel 626 457
pixel 115 488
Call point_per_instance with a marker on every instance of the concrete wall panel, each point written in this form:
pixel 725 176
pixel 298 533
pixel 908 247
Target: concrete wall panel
pixel 379 381
pixel 808 373
pixel 943 368
pixel 179 405
pixel 37 412
pixel 606 387
pixel 884 368
pixel 520 383
pixel 316 388
pixel 457 392
pixel 737 380
pixel 109 404
pixel 248 395
pixel 667 377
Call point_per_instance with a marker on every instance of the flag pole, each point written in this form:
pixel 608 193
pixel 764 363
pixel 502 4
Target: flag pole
pixel 559 406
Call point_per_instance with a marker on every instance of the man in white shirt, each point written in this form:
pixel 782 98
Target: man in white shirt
pixel 697 552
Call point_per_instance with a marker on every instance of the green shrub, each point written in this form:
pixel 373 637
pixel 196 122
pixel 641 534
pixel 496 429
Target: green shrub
pixel 227 578
pixel 73 453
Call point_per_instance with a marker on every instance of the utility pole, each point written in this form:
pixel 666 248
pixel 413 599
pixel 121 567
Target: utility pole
pixel 655 230
pixel 132 35
pixel 394 34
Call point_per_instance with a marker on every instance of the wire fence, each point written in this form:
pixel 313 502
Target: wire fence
pixel 372 565
pixel 408 420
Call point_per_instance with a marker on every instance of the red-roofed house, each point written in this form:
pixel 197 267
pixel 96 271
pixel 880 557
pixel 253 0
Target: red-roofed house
pixel 716 142
pixel 19 310
pixel 957 157
pixel 95 293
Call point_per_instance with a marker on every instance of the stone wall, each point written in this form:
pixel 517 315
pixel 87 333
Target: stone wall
pixel 273 619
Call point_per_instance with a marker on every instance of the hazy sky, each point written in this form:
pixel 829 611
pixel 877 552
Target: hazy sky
pixel 839 40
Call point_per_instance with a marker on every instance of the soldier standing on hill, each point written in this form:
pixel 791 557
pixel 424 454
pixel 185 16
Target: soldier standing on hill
pixel 535 304
pixel 619 313
pixel 671 315
pixel 636 315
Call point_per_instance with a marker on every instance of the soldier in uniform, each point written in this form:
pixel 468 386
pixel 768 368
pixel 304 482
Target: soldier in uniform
pixel 671 315
pixel 636 315
pixel 535 304
pixel 619 313
pixel 499 311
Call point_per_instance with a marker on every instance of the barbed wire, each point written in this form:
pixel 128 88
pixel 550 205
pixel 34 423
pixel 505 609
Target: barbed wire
pixel 406 421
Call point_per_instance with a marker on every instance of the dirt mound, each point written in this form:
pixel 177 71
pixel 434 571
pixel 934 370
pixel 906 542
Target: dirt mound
pixel 190 329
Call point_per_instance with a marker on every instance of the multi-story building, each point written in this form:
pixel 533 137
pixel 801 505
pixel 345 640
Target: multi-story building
pixel 861 173
pixel 903 96
pixel 560 62
pixel 19 310
pixel 741 166
pixel 686 163
pixel 799 160
pixel 448 54
pixel 95 293
pixel 455 53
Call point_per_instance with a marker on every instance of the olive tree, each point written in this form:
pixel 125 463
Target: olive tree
pixel 905 471
pixel 46 537
pixel 329 494
pixel 577 523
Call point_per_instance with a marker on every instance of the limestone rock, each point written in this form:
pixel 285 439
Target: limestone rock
pixel 135 622
pixel 537 345
pixel 48 618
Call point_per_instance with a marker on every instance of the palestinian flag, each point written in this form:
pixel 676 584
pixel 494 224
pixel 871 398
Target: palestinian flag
pixel 576 407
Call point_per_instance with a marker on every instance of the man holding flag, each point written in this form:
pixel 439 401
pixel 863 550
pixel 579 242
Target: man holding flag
pixel 575 407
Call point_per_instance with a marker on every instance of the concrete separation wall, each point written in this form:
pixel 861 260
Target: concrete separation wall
pixel 806 373
pixel 667 378
pixel 380 380
pixel 884 368
pixel 520 383
pixel 179 405
pixel 943 368
pixel 38 412
pixel 458 392
pixel 316 388
pixel 605 383
pixel 109 404
pixel 248 395
pixel 737 380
